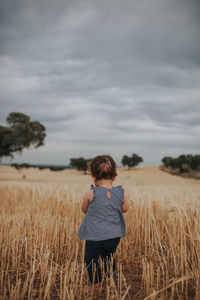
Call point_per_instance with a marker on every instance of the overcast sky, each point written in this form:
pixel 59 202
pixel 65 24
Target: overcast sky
pixel 109 76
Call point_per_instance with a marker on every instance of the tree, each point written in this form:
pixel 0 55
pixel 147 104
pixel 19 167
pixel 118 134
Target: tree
pixel 81 164
pixel 125 160
pixel 184 163
pixel 20 166
pixel 20 134
pixel 195 162
pixel 131 161
pixel 167 161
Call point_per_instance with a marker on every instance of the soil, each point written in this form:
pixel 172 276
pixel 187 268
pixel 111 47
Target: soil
pixel 192 174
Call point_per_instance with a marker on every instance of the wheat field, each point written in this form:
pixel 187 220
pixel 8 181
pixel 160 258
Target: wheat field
pixel 41 256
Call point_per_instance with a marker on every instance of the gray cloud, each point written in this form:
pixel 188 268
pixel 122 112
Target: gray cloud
pixel 103 76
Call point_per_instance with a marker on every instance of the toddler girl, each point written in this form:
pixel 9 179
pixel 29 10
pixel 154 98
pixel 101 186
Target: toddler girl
pixel 104 224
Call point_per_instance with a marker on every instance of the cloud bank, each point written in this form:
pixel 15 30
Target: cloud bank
pixel 103 76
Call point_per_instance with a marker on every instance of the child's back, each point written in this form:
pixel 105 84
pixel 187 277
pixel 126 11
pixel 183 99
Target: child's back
pixel 104 218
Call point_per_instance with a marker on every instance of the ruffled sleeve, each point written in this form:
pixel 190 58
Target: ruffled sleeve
pixel 92 187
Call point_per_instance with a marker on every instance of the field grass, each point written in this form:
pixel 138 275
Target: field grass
pixel 41 256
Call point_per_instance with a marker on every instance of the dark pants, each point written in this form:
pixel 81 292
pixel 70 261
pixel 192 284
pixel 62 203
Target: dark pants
pixel 95 249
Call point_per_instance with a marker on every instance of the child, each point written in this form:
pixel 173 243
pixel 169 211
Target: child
pixel 104 224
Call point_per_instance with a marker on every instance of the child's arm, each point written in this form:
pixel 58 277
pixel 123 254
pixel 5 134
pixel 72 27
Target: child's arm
pixel 125 205
pixel 86 201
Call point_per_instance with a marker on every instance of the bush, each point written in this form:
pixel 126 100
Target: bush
pixel 131 161
pixel 81 164
pixel 185 163
pixel 185 168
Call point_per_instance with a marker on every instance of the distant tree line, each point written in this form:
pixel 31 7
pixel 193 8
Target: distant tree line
pixel 20 166
pixel 184 163
pixel 81 164
pixel 26 166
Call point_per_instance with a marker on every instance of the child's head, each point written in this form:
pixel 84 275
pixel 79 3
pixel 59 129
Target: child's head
pixel 103 167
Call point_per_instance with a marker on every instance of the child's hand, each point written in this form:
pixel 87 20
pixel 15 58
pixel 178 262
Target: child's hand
pixel 86 200
pixel 125 205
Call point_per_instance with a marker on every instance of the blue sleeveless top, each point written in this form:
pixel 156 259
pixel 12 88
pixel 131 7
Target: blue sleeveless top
pixel 104 218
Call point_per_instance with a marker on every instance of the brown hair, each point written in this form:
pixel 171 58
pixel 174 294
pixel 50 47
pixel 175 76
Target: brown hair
pixel 103 167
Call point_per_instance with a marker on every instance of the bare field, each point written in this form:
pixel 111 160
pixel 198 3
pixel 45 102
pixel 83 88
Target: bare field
pixel 41 256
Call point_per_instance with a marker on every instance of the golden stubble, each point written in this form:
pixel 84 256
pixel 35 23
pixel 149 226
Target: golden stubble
pixel 41 256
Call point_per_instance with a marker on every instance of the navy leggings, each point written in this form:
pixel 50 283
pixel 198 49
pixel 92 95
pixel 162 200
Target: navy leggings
pixel 95 249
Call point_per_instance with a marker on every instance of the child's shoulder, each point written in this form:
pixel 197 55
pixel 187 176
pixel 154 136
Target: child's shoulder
pixel 116 187
pixel 119 188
